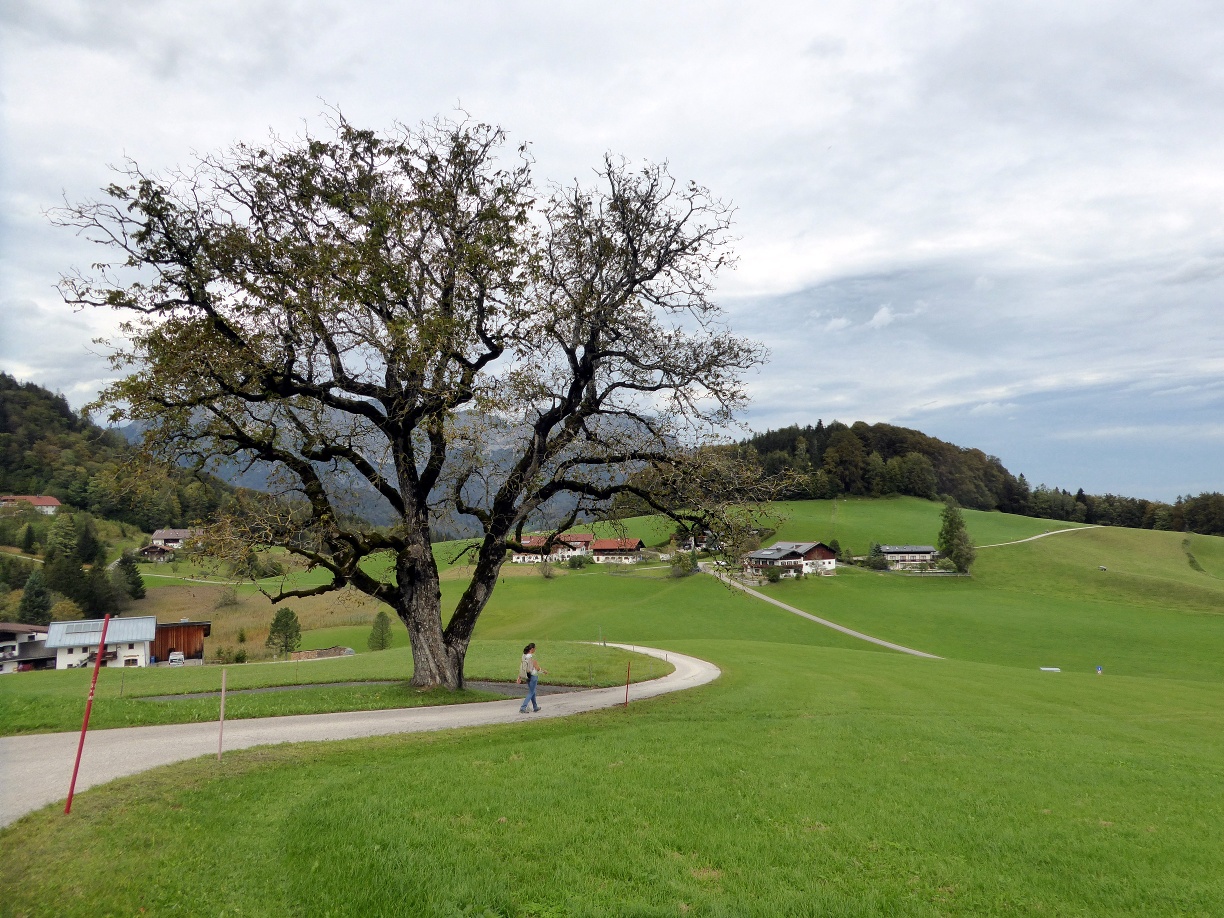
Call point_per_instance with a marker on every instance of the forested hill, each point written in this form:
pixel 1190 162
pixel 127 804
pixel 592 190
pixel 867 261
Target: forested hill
pixel 880 459
pixel 46 448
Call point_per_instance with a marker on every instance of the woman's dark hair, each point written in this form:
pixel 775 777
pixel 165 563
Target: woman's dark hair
pixel 529 648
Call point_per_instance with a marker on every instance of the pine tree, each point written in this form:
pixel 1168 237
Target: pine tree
pixel 35 606
pixel 89 548
pixel 285 635
pixel 100 596
pixel 28 542
pixel 133 583
pixel 62 541
pixel 380 634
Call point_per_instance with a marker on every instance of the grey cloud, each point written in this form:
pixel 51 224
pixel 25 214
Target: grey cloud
pixel 985 218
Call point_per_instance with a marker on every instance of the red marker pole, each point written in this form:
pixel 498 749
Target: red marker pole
pixel 88 707
pixel 628 667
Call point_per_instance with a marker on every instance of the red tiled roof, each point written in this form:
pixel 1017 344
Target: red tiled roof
pixel 616 545
pixel 30 499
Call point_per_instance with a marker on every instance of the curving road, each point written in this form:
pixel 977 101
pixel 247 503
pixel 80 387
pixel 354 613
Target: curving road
pixel 35 770
pixel 900 648
pixel 1052 532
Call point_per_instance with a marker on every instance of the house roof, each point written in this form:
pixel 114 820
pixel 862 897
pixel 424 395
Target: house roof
pixel 616 544
pixel 907 549
pixel 30 499
pixel 86 633
pixel 773 553
pixel 175 533
pixel 779 550
pixel 19 628
pixel 566 538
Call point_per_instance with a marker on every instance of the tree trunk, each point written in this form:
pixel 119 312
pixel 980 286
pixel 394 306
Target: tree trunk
pixel 420 609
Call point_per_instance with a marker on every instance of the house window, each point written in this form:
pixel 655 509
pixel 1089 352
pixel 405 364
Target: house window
pixel 131 646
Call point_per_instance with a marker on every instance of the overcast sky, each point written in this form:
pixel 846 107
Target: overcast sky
pixel 998 223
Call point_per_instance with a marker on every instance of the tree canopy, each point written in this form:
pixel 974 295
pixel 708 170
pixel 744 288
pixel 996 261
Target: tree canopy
pixel 406 314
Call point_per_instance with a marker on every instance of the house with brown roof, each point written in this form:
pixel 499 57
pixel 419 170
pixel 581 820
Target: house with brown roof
pixel 616 551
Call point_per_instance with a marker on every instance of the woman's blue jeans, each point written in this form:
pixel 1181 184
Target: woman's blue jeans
pixel 532 681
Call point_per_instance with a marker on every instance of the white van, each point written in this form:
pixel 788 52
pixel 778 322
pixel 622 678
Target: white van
pixel 177 659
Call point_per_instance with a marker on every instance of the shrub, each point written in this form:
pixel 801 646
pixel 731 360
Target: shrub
pixel 240 655
pixel 578 562
pixel 546 570
pixel 228 598
pixel 773 575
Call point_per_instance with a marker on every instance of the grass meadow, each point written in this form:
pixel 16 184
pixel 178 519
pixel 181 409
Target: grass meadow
pixel 818 776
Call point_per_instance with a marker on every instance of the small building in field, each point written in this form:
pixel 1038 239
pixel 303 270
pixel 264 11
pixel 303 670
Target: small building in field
pixel 128 641
pixel 565 546
pixel 47 505
pixel 616 551
pixel 24 648
pixel 792 558
pixel 909 555
pixel 184 636
pixel 156 553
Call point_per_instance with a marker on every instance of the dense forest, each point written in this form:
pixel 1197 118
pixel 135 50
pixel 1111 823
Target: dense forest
pixel 48 449
pixel 880 459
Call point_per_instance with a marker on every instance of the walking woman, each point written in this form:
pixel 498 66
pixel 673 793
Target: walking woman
pixel 530 670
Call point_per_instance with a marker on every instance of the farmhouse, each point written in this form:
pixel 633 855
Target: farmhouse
pixel 173 538
pixel 909 555
pixel 128 641
pixel 565 546
pixel 617 551
pixel 792 558
pixel 47 505
pixel 24 647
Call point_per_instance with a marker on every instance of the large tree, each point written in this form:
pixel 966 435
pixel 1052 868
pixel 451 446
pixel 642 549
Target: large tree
pixel 406 314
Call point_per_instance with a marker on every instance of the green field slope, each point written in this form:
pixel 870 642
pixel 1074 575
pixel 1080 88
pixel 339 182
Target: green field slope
pixel 857 522
pixel 817 776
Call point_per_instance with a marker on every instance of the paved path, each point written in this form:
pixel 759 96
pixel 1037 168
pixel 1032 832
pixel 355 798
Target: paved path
pixel 35 770
pixel 1042 536
pixel 828 624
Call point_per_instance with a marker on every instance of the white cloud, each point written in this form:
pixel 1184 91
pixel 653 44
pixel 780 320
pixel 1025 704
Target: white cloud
pixel 883 316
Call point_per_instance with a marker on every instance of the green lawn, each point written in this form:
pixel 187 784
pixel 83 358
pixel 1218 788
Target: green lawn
pixel 818 776
pixel 49 701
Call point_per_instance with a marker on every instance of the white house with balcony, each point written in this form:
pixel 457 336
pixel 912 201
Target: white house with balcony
pixel 909 555
pixel 128 641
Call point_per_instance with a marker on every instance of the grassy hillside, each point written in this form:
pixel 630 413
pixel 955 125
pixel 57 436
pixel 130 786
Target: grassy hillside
pixel 856 522
pixel 818 776
pixel 1047 603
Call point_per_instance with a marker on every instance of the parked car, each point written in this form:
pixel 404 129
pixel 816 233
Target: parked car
pixel 177 658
